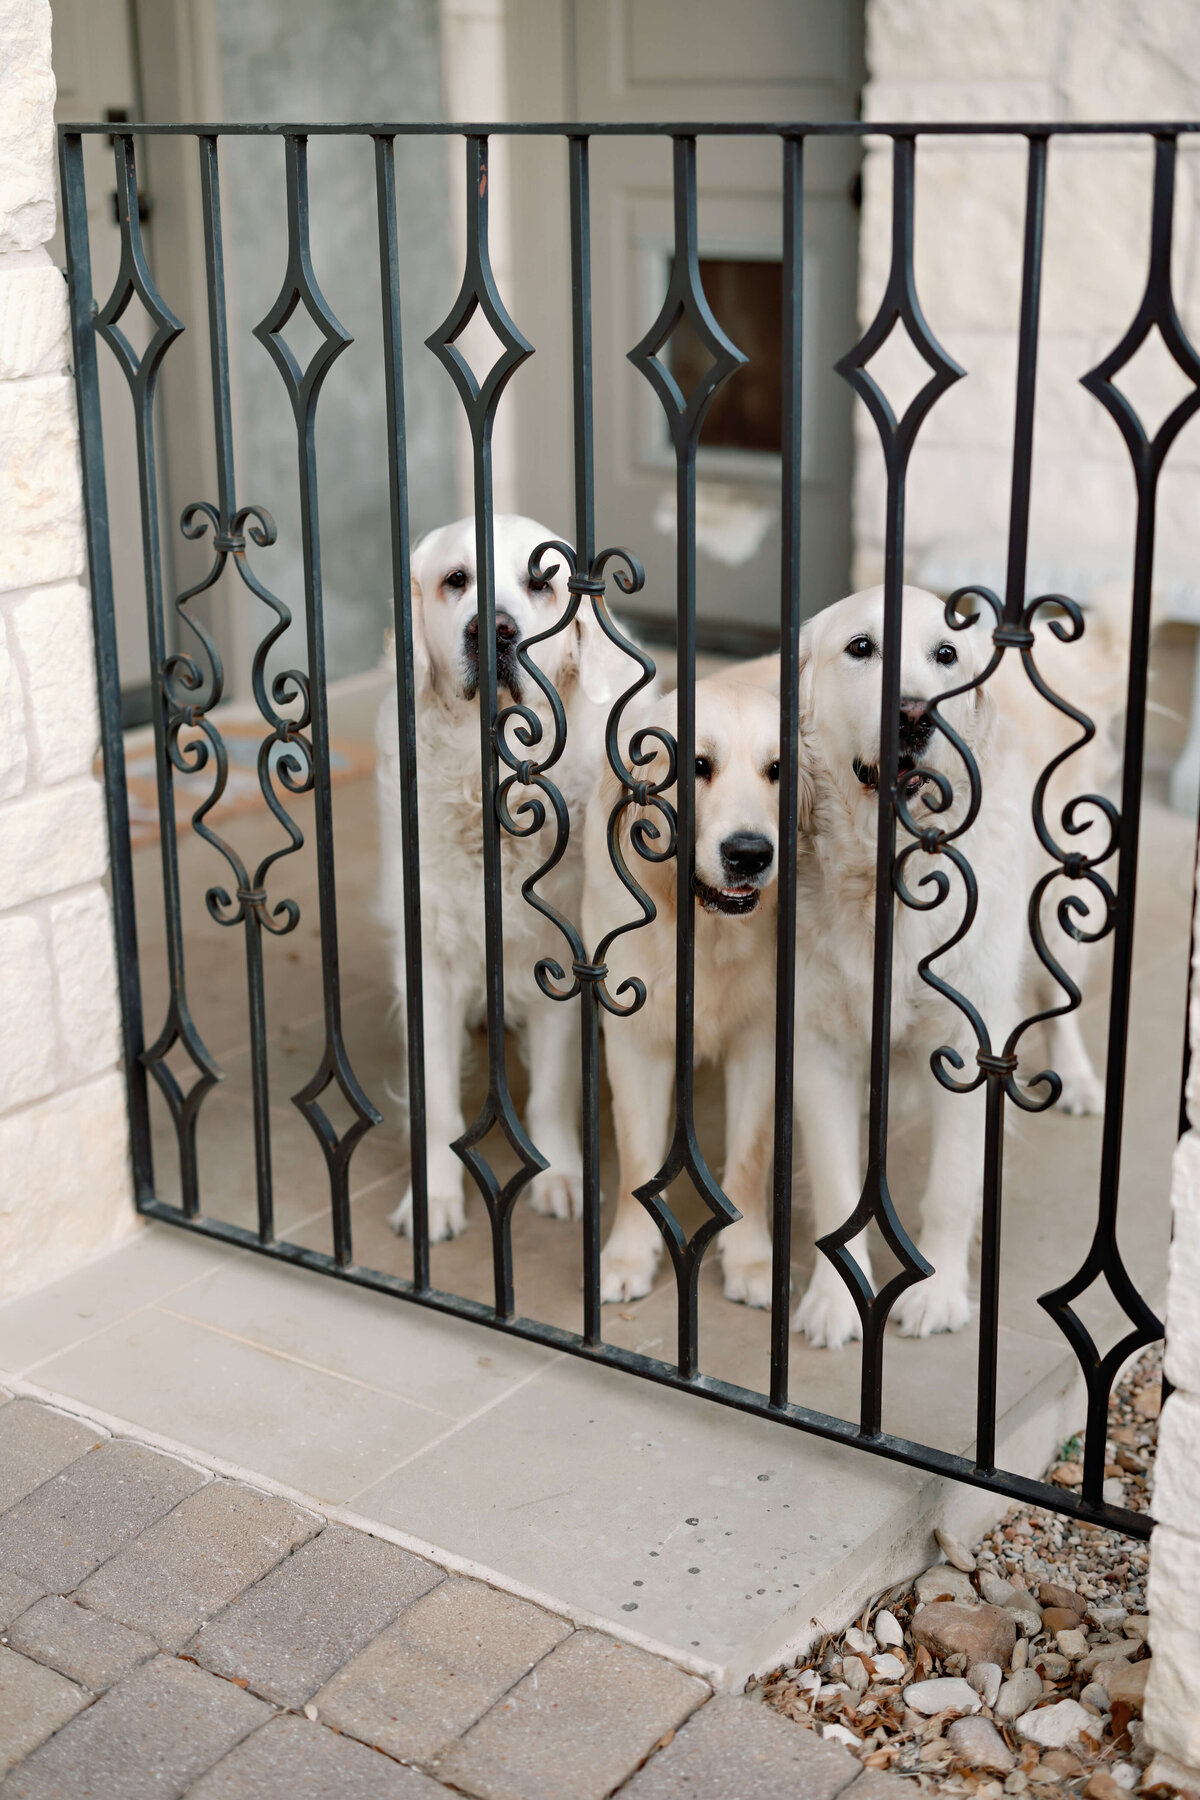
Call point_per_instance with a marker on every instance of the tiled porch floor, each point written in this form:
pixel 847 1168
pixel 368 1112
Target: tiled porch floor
pixel 707 1531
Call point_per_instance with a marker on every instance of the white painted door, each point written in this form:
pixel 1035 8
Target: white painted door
pixel 692 60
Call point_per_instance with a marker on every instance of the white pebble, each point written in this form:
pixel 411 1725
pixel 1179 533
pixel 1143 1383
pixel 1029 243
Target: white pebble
pixel 985 1678
pixel 830 1688
pixel 1020 1655
pixel 860 1642
pixel 1113 1491
pixel 1095 1695
pixel 954 1550
pixel 889 1667
pixel 854 1674
pixel 840 1735
pixel 1072 1643
pixel 942 1693
pixel 888 1629
pixel 1054 1727
pixel 1125 1775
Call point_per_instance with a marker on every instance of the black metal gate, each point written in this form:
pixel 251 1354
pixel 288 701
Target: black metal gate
pixel 294 752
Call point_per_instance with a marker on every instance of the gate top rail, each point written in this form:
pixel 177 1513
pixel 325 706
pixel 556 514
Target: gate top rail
pixel 656 128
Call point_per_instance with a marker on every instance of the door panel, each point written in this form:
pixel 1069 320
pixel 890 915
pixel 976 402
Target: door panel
pixel 688 59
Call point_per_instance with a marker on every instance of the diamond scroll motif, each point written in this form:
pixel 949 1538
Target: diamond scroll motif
pixel 686 301
pixel 479 294
pixel 134 282
pixel 302 382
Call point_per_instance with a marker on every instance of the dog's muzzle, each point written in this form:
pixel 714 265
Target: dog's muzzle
pixel 747 857
pixel 508 669
pixel 915 731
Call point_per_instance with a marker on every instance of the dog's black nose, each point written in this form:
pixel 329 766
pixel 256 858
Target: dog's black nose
pixel 506 630
pixel 747 853
pixel 916 726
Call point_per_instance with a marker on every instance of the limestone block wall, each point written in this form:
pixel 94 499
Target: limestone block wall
pixel 1006 60
pixel 65 1191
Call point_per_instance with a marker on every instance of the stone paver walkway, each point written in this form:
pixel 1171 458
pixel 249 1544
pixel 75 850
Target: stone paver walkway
pixel 166 1632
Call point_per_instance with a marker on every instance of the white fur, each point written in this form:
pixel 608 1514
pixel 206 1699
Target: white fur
pixel 1013 733
pixel 737 732
pixel 588 673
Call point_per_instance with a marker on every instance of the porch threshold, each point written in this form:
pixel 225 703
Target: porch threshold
pixel 720 1540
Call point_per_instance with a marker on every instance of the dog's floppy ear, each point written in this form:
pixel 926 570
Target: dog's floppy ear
pixel 602 668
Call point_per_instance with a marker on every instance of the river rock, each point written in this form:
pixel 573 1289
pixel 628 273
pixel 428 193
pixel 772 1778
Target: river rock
pixel 1055 1727
pixel 861 1643
pixel 1052 1593
pixel 977 1743
pixel 888 1630
pixel 1053 1666
pixel 1105 1657
pixel 889 1667
pixel 1060 1618
pixel 985 1678
pixel 943 1693
pixel 1101 1786
pixel 1072 1643
pixel 1137 1625
pixel 1020 1656
pixel 1028 1619
pixel 1126 1684
pixel 980 1633
pixel 854 1674
pixel 941 1582
pixel 1094 1695
pixel 954 1550
pixel 995 1591
pixel 1018 1694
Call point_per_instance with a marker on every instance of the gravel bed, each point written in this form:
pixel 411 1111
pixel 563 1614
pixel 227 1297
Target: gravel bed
pixel 1016 1667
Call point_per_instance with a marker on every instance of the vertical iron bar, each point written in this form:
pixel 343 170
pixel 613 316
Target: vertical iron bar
pixel 585 551
pixel 337 1149
pixel 871 1408
pixel 108 676
pixel 789 748
pixel 1147 469
pixel 493 914
pixel 393 354
pixel 1014 606
pixel 685 848
pixel 218 338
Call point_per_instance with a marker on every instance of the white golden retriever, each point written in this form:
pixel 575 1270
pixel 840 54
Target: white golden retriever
pixel 1013 734
pixel 588 672
pixel 736 867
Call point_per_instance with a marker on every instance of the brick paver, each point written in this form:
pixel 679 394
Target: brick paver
pixel 149 1738
pixel 112 1558
pixel 289 1759
pixel 17 1595
pixel 83 1645
pixel 291 1631
pixel 438 1669
pixel 576 1725
pixel 59 1533
pixel 738 1749
pixel 35 1443
pixel 33 1703
pixel 192 1563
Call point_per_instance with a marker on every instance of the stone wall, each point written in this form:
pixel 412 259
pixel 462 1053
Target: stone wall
pixel 65 1191
pixel 1006 60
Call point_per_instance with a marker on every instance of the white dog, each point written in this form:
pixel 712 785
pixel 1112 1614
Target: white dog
pixel 1013 734
pixel 588 672
pixel 736 866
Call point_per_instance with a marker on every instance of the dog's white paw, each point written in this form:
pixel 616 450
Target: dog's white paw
pixel 557 1194
pixel 447 1216
pixel 1082 1096
pixel 940 1303
pixel 827 1315
pixel 627 1266
pixel 746 1263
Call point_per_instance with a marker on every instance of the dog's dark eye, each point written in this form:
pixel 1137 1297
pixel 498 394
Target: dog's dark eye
pixel 946 654
pixel 457 578
pixel 538 587
pixel 704 768
pixel 860 648
pixel 773 772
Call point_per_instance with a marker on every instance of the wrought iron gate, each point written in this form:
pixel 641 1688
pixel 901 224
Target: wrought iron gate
pixel 293 757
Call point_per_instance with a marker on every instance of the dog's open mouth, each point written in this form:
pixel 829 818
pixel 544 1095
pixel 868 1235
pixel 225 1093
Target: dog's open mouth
pixel 909 782
pixel 733 901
